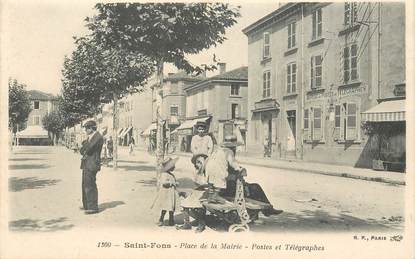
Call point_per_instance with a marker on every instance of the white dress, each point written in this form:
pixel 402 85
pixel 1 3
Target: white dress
pixel 217 168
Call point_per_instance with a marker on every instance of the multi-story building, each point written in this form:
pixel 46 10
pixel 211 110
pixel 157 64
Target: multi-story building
pixel 313 69
pixel 42 104
pixel 221 101
pixel 134 117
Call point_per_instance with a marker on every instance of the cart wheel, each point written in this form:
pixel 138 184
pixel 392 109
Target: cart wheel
pixel 238 228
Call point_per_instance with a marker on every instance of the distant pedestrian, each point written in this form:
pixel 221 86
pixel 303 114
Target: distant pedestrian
pixel 90 165
pixel 131 145
pixel 266 147
pixel 167 199
pixel 110 147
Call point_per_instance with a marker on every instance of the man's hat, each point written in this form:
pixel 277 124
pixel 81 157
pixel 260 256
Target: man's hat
pixel 195 157
pixel 200 124
pixel 230 141
pixel 169 163
pixel 90 124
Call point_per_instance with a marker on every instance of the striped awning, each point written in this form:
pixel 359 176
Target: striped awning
pixel 386 111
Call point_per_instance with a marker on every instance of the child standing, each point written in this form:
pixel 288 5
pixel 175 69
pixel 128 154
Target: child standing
pixel 167 199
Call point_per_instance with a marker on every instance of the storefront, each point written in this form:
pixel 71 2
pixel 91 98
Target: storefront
pixel 33 135
pixel 149 135
pixel 386 123
pixel 186 131
pixel 263 137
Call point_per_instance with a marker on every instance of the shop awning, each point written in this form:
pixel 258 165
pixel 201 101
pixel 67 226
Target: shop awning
pixel 125 131
pixel 188 124
pixel 386 111
pixel 120 130
pixel 33 132
pixel 146 132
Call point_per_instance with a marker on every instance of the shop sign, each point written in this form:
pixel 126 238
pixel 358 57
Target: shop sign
pixel 185 131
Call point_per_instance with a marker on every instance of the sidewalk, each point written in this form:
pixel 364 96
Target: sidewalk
pixel 320 168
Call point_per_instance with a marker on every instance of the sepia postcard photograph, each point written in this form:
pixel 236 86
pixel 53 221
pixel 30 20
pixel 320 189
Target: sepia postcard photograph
pixel 242 129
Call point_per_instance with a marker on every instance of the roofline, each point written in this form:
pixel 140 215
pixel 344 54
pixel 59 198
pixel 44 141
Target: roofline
pixel 215 80
pixel 269 17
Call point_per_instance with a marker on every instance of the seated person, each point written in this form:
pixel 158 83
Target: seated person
pixel 219 163
pixel 192 203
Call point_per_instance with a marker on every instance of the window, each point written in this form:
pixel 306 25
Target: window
pixel 36 119
pixel 227 130
pixel 36 105
pixel 317 129
pixel 316 72
pixel 174 89
pixel 291 35
pixel 350 13
pixel 306 125
pixel 266 87
pixel 234 89
pixel 317 24
pixel 266 47
pixel 351 130
pixel 234 110
pixel 291 78
pixel 174 110
pixel 202 112
pixel 350 63
pixel 345 122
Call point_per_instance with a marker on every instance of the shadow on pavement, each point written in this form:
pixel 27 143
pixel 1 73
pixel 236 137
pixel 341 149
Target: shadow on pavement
pixel 28 166
pixel 139 168
pixel 19 184
pixel 307 221
pixel 148 183
pixel 40 225
pixel 109 205
pixel 31 153
pixel 321 221
pixel 25 159
pixel 132 162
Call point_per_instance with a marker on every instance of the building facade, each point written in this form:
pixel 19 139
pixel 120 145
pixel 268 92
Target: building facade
pixel 313 69
pixel 221 101
pixel 33 133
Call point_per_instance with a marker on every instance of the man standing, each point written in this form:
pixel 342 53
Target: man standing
pixel 110 147
pixel 90 165
pixel 201 143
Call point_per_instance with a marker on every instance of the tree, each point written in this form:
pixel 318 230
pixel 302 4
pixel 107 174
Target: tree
pixel 19 105
pixel 96 74
pixel 164 32
pixel 53 123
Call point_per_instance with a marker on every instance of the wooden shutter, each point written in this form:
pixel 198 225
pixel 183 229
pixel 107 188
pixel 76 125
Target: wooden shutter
pixel 317 123
pixel 307 131
pixel 337 116
pixel 351 112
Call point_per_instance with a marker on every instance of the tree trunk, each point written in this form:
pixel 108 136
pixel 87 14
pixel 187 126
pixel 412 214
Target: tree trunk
pixel 160 125
pixel 115 131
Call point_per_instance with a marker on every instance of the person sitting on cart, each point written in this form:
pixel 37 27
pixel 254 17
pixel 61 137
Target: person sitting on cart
pixel 193 202
pixel 219 164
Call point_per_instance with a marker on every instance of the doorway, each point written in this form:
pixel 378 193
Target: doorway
pixel 291 133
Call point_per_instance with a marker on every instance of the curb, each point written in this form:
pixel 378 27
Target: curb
pixel 313 171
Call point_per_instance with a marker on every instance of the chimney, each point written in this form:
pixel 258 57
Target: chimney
pixel 222 68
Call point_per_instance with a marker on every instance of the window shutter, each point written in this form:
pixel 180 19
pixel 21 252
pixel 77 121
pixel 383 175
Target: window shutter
pixel 312 82
pixel 351 130
pixel 317 123
pixel 307 131
pixel 337 119
pixel 343 117
pixel 341 66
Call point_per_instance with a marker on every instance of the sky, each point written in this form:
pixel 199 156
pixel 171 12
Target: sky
pixel 38 34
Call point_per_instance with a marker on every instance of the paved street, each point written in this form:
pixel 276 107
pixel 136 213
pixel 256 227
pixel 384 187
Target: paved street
pixel 45 195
